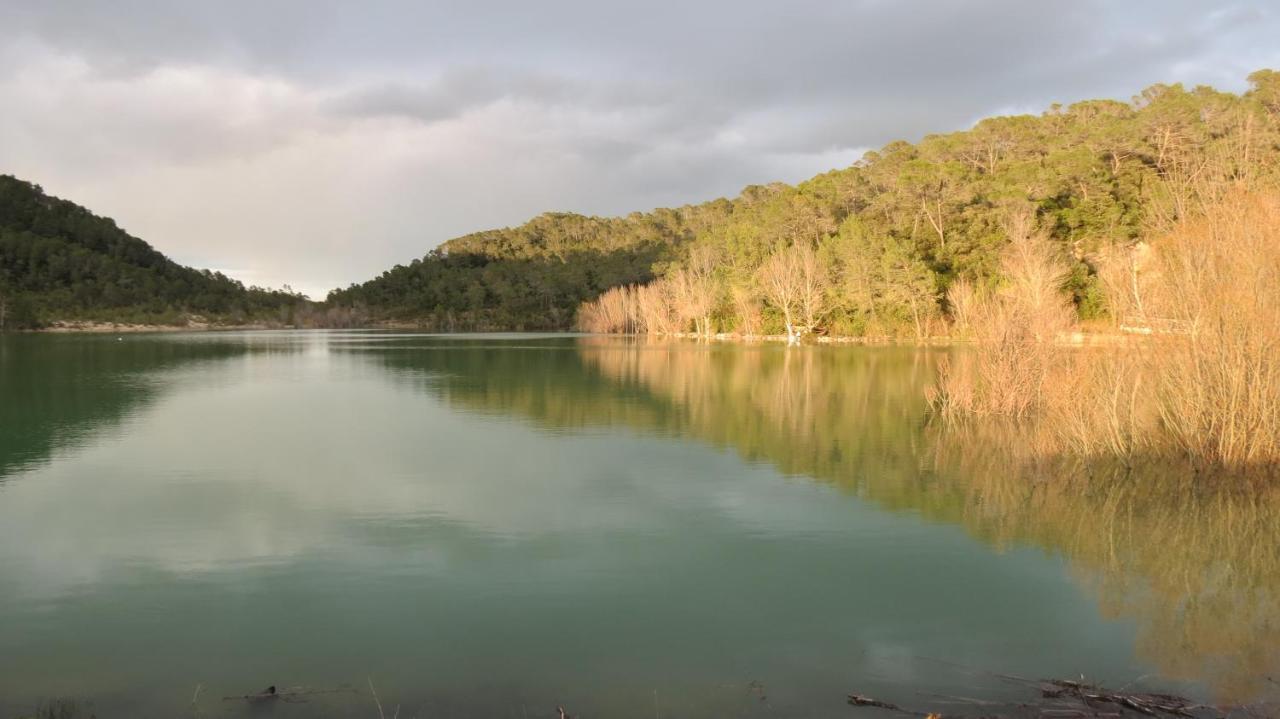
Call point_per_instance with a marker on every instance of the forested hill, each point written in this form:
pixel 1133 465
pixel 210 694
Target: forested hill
pixel 891 233
pixel 529 277
pixel 59 261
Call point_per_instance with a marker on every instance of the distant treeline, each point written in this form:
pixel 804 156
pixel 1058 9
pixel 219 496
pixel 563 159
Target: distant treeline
pixel 58 261
pixel 869 249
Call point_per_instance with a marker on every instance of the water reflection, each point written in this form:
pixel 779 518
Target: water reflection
pixel 439 511
pixel 326 512
pixel 57 391
pixel 1197 566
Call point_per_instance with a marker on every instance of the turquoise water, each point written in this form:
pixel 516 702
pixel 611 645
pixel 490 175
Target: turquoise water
pixel 494 525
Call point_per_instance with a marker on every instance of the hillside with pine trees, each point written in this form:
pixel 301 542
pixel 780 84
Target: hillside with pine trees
pixel 885 237
pixel 61 262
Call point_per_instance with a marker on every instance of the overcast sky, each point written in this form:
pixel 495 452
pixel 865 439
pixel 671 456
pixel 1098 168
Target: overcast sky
pixel 317 143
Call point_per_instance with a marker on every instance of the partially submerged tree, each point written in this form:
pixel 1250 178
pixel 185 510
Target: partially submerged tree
pixel 1015 329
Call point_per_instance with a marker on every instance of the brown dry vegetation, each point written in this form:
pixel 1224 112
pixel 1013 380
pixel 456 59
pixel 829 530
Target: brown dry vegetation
pixel 1204 384
pixel 1217 278
pixel 1015 330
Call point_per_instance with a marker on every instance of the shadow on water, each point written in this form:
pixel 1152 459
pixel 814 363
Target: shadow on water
pixel 1196 566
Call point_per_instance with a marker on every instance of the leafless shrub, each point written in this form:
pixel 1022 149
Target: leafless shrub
pixel 1015 331
pixel 962 298
pixel 746 305
pixel 1123 272
pixel 615 311
pixel 656 307
pixel 1218 377
pixel 1203 385
pixel 1099 404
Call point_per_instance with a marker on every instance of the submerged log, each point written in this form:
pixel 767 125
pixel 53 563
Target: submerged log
pixel 859 700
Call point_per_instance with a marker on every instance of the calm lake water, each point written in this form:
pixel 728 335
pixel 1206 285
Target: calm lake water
pixel 492 525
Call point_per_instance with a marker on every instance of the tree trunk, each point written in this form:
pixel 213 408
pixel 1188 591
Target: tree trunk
pixel 937 224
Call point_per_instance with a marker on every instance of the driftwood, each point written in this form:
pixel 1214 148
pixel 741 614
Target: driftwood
pixel 859 700
pixel 1143 703
pixel 1084 699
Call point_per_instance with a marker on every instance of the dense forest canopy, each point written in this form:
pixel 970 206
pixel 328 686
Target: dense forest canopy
pixel 882 240
pixel 58 261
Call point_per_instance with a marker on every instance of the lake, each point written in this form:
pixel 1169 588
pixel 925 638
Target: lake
pixel 494 525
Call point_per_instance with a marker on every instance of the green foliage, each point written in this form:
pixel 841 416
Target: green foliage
pixel 896 228
pixel 58 261
pixel 18 314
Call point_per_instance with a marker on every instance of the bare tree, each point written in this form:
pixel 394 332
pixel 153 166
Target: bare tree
pixel 746 304
pixel 935 188
pixel 1034 276
pixel 697 289
pixel 813 285
pixel 794 281
pixel 780 280
pixel 655 305
pixel 1125 278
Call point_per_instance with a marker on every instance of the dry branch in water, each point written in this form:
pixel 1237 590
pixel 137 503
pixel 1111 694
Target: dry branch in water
pixel 1084 700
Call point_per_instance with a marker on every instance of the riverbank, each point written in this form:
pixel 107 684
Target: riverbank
pixel 103 327
pixel 1083 337
pixel 87 326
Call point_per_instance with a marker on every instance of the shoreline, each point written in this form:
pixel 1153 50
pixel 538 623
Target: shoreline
pixel 1074 338
pixel 95 327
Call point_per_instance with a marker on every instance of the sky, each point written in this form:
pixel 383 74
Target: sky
pixel 317 143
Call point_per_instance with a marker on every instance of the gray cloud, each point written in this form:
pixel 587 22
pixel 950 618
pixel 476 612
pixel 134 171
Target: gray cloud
pixel 317 142
pixel 449 95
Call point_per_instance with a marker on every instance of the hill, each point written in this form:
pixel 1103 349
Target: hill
pixel 887 235
pixel 59 261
